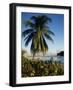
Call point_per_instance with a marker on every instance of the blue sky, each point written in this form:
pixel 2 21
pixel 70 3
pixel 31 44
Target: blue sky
pixel 57 26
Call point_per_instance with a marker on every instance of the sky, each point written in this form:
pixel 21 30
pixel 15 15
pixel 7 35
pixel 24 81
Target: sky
pixel 56 26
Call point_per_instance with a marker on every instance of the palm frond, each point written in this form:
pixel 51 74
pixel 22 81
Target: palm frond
pixel 29 23
pixel 42 45
pixel 40 20
pixel 45 44
pixel 50 32
pixel 48 37
pixel 34 18
pixel 45 20
pixel 26 32
pixel 28 39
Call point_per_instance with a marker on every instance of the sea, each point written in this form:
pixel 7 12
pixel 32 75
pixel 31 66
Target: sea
pixel 51 58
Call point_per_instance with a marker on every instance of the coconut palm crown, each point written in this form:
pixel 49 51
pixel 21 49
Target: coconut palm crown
pixel 37 33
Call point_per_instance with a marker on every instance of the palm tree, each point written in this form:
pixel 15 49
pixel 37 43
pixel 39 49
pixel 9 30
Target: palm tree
pixel 37 33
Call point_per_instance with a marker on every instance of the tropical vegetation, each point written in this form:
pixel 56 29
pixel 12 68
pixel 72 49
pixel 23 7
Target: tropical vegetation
pixel 36 68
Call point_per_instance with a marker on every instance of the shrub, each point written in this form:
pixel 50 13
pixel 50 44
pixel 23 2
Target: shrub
pixel 32 68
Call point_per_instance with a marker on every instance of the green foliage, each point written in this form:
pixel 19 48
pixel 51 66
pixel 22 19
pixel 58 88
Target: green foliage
pixel 31 68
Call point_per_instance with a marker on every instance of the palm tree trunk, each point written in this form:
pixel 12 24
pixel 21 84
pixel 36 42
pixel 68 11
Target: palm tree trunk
pixel 33 56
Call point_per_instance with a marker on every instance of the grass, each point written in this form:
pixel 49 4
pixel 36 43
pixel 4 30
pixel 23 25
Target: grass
pixel 34 68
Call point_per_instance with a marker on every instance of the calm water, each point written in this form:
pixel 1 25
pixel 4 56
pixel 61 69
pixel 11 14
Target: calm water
pixel 54 58
pixel 51 58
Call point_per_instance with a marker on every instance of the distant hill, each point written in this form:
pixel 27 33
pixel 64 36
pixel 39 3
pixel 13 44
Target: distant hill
pixel 60 53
